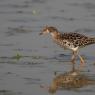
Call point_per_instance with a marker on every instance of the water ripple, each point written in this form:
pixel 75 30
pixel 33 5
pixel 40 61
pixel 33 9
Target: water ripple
pixel 32 80
pixel 14 30
pixel 86 5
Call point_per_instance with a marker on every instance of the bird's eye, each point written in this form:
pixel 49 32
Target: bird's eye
pixel 65 42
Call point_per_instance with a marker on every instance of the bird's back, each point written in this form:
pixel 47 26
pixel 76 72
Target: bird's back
pixel 75 39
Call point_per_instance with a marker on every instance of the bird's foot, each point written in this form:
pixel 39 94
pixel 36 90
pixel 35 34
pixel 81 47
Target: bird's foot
pixel 82 62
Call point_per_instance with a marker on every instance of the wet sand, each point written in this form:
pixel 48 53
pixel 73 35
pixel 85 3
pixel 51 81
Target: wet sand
pixel 28 60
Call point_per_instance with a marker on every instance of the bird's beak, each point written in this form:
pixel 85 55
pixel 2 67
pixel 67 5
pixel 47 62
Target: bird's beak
pixel 41 33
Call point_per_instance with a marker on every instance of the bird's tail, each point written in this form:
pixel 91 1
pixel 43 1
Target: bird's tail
pixel 92 40
pixel 89 41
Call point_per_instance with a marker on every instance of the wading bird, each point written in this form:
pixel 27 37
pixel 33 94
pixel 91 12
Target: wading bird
pixel 71 41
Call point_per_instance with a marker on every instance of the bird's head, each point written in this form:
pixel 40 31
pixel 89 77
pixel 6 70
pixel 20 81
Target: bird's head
pixel 48 29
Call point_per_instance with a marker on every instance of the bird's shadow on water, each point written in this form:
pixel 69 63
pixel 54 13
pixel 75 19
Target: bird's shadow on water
pixel 73 80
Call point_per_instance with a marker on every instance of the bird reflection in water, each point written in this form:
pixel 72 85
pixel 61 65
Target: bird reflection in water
pixel 71 80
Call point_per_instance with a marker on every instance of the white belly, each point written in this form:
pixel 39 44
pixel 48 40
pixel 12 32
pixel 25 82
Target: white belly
pixel 66 45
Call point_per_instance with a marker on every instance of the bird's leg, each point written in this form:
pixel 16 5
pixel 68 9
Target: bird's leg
pixel 82 62
pixel 65 48
pixel 73 59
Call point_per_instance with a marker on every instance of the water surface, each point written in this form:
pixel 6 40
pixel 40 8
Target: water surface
pixel 28 60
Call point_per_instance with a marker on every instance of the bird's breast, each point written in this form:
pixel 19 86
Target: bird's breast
pixel 64 43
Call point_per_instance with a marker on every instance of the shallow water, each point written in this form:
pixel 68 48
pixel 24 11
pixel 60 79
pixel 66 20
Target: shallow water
pixel 28 60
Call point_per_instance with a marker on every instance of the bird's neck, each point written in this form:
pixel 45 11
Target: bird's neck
pixel 55 34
